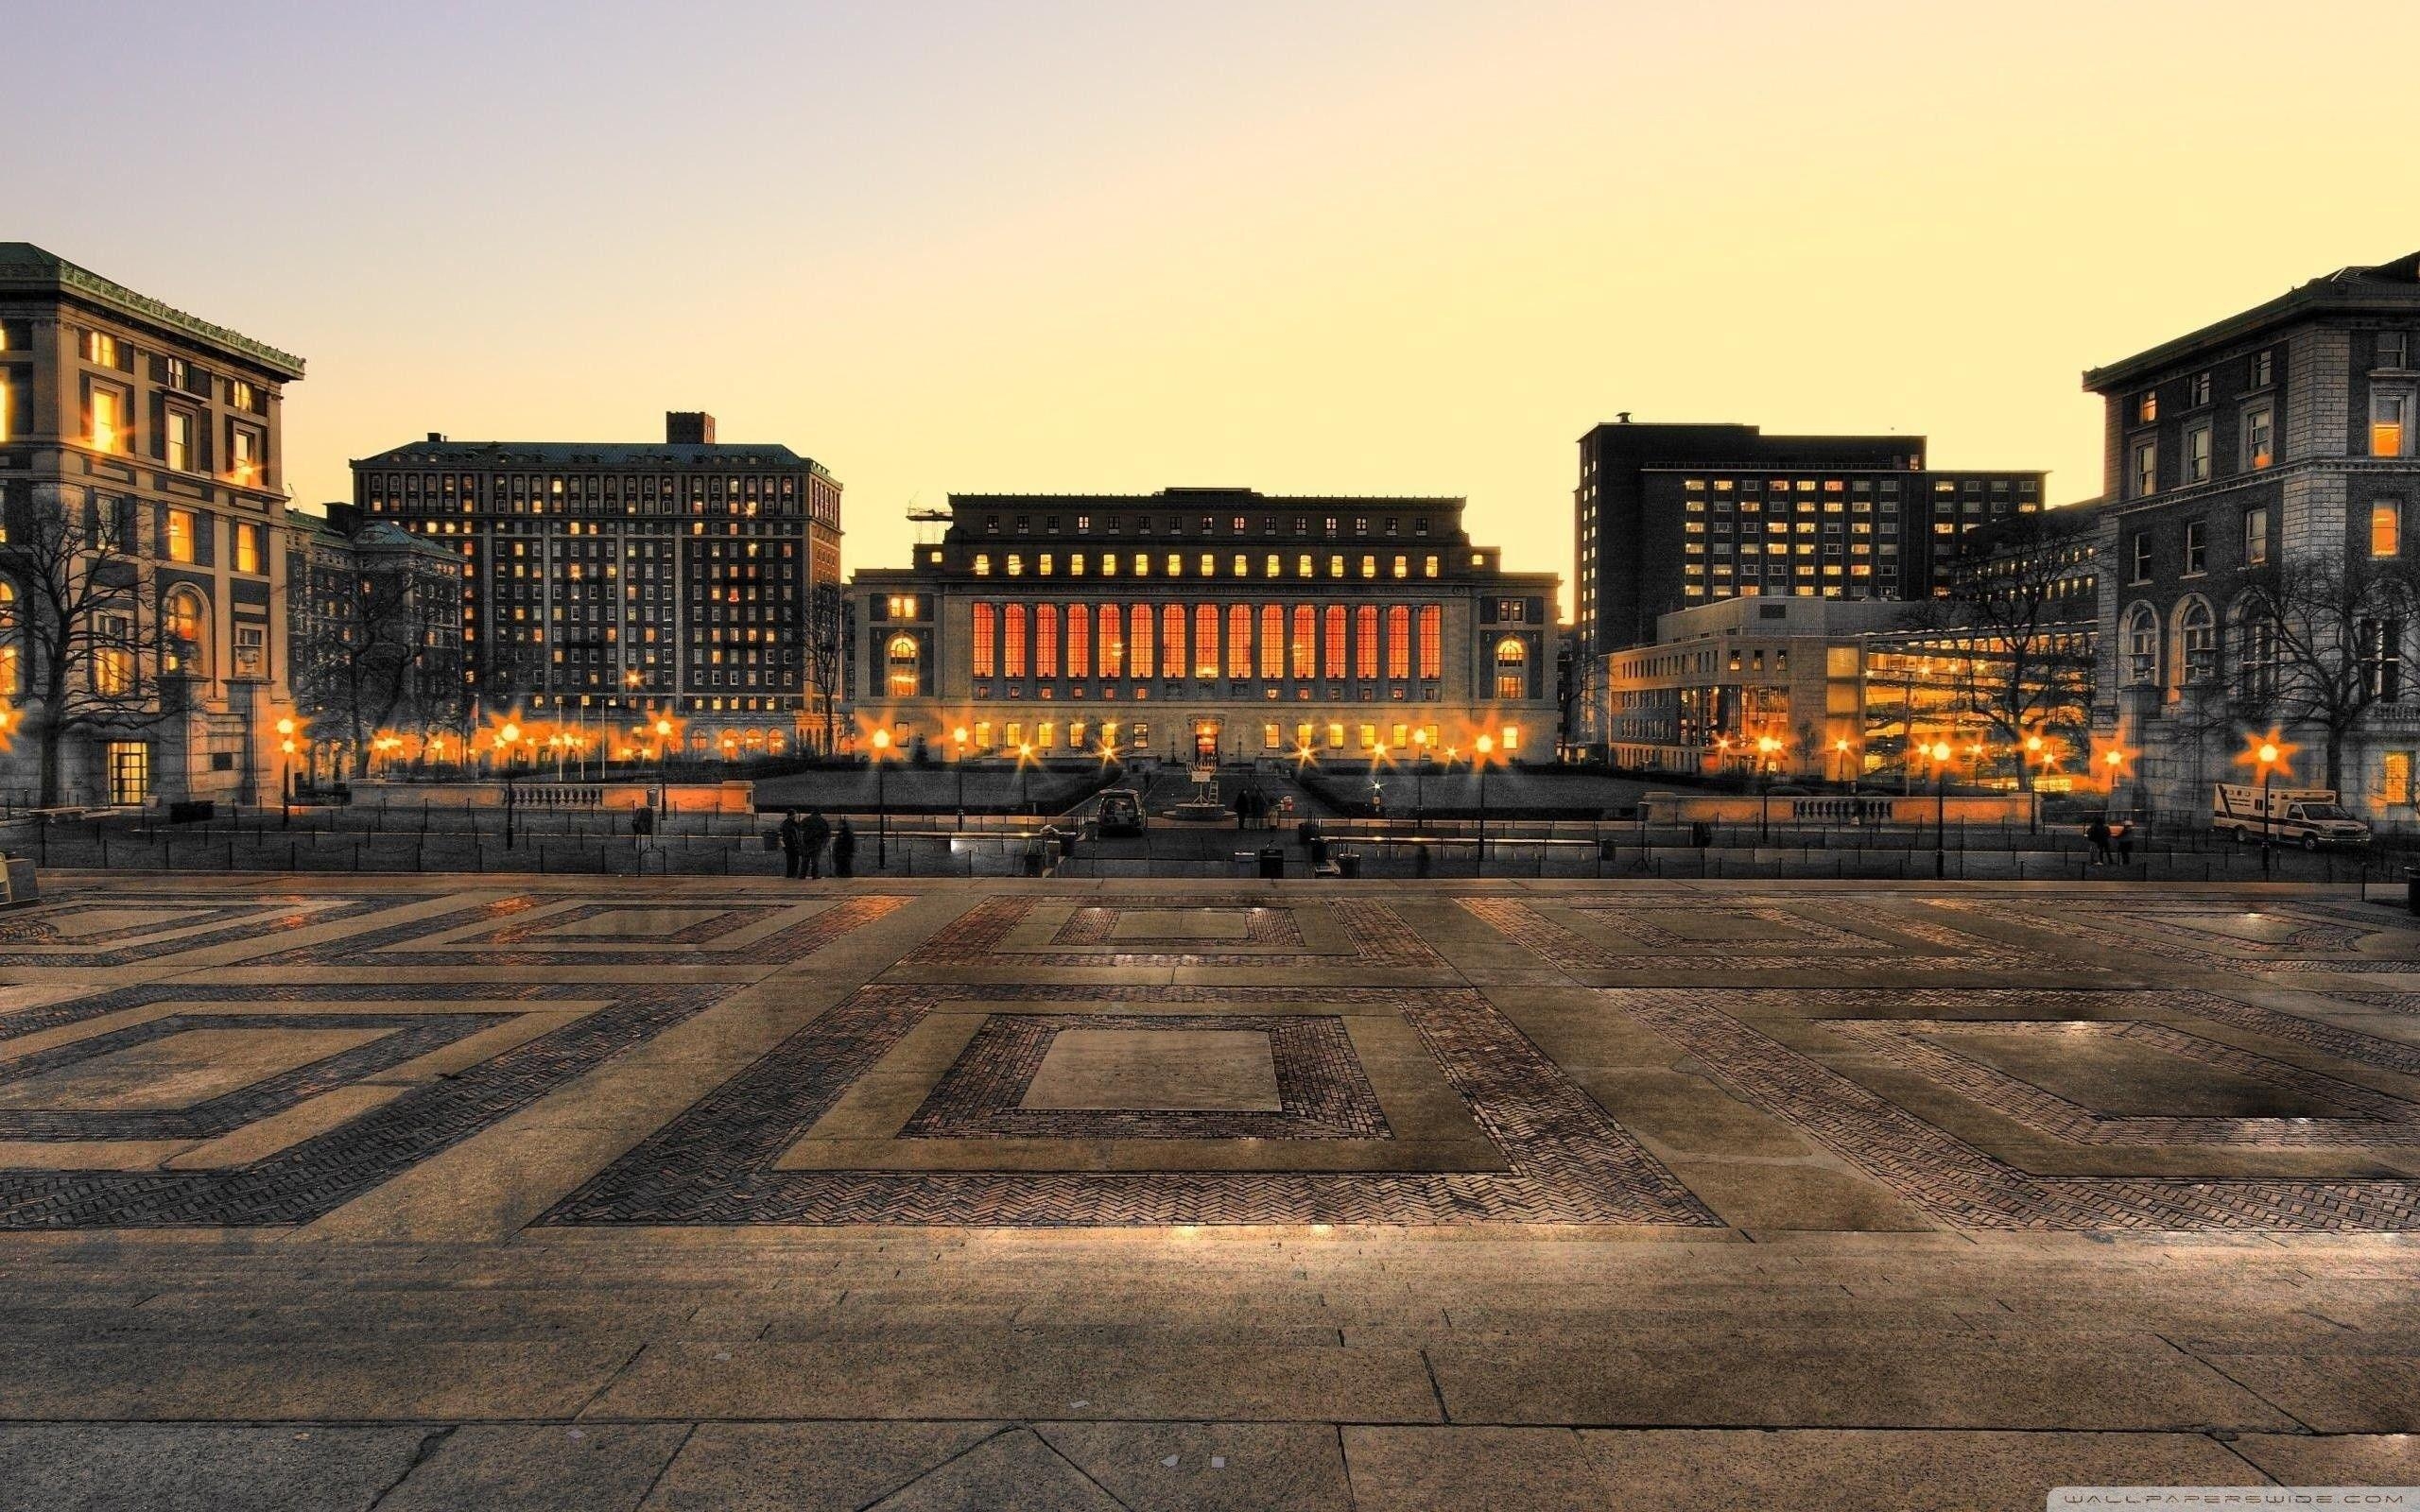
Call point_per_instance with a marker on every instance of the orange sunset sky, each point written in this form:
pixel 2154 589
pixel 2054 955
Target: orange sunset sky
pixel 1403 248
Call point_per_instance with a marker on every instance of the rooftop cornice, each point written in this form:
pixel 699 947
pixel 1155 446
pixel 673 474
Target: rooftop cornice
pixel 24 267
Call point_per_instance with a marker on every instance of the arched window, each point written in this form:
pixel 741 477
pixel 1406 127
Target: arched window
pixel 2255 654
pixel 187 626
pixel 2142 645
pixel 901 658
pixel 11 661
pixel 1511 668
pixel 2197 642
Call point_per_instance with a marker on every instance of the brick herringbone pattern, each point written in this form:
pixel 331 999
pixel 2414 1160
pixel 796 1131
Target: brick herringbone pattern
pixel 1956 1183
pixel 378 947
pixel 1569 1161
pixel 1378 936
pixel 310 1179
pixel 1320 1086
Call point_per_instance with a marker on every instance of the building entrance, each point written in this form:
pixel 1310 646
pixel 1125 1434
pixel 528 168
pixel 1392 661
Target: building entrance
pixel 1205 743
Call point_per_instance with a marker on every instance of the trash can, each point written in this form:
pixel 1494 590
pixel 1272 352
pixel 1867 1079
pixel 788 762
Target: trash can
pixel 1272 862
pixel 1317 849
pixel 1348 863
pixel 1306 831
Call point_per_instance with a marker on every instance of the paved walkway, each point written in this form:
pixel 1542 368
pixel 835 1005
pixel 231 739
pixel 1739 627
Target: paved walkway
pixel 604 1194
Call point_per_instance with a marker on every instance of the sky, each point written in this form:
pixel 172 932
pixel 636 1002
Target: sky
pixel 1402 247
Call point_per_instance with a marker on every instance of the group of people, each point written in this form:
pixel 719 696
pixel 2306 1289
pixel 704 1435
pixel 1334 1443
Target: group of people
pixel 803 841
pixel 2103 838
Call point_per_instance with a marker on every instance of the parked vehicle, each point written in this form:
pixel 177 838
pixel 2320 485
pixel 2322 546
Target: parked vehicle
pixel 2307 817
pixel 1121 812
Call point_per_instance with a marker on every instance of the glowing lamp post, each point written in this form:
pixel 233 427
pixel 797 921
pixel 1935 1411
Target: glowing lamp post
pixel 881 803
pixel 285 771
pixel 958 739
pixel 1419 775
pixel 1480 749
pixel 1025 790
pixel 1766 748
pixel 507 737
pixel 1939 754
pixel 2266 754
pixel 1840 750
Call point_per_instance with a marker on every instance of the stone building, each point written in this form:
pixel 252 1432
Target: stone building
pixel 374 616
pixel 2272 447
pixel 139 447
pixel 1206 625
pixel 611 582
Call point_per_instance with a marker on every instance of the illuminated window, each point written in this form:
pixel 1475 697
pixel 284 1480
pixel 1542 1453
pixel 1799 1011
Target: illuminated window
pixel 108 427
pixel 1079 650
pixel 1176 563
pixel 1369 737
pixel 248 547
pixel 1239 639
pixel 100 348
pixel 1017 565
pixel 2386 527
pixel 986 638
pixel 1205 640
pixel 2146 468
pixel 1112 646
pixel 1138 649
pixel 1509 739
pixel 1272 736
pixel 1428 566
pixel 1403 566
pixel 982 564
pixel 1369 566
pixel 112 655
pixel 2255 536
pixel 1511 668
pixel 2260 436
pixel 1171 640
pixel 1336 564
pixel 902 660
pixel 1432 620
pixel 1304 660
pixel 1365 642
pixel 1012 661
pixel 2390 423
pixel 244 453
pixel 1399 645
pixel 179 440
pixel 1336 734
pixel 1332 662
pixel 181 535
pixel 1045 640
pixel 2147 408
pixel 1271 565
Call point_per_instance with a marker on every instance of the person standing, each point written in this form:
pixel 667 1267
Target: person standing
pixel 844 848
pixel 812 836
pixel 2097 832
pixel 792 838
pixel 2126 845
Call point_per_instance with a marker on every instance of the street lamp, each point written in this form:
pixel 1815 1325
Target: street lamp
pixel 2266 753
pixel 1939 752
pixel 285 771
pixel 1480 749
pixel 957 738
pixel 881 804
pixel 1419 774
pixel 663 757
pixel 1767 746
pixel 510 735
pixel 1025 757
pixel 1840 748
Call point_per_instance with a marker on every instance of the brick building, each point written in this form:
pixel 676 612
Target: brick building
pixel 2272 446
pixel 1206 624
pixel 140 446
pixel 608 582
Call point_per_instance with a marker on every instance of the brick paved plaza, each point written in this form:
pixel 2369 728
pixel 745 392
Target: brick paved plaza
pixel 608 1193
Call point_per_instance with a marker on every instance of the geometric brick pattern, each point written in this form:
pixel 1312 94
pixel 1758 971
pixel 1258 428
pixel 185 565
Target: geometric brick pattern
pixel 1568 1160
pixel 1373 935
pixel 2378 1119
pixel 1098 926
pixel 314 1175
pixel 47 929
pixel 1924 948
pixel 1949 1178
pixel 2200 932
pixel 387 946
pixel 1322 1089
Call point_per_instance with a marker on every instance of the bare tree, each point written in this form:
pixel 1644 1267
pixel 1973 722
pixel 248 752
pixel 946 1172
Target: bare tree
pixel 2012 624
pixel 2318 644
pixel 826 655
pixel 372 656
pixel 79 616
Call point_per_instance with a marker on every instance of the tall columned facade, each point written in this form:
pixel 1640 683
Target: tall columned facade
pixel 1206 625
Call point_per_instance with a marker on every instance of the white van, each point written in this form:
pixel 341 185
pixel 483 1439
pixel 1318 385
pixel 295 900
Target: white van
pixel 2307 817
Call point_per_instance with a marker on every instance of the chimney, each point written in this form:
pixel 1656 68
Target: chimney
pixel 435 438
pixel 688 427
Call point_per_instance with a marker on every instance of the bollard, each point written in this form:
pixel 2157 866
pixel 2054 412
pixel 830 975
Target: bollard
pixel 2412 888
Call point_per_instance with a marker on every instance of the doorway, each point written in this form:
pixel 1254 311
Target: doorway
pixel 1205 743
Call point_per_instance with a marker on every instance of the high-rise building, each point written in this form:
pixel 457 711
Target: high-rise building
pixel 1206 625
pixel 2263 474
pixel 1670 516
pixel 615 582
pixel 140 449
